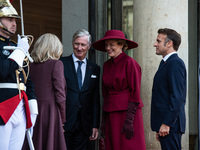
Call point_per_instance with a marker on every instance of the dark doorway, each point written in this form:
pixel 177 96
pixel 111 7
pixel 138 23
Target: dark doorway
pixel 40 17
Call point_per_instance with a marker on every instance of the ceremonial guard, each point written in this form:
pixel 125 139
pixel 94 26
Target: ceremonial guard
pixel 17 98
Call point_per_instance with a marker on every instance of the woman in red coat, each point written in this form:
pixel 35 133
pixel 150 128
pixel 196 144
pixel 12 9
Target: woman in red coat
pixel 122 121
pixel 50 88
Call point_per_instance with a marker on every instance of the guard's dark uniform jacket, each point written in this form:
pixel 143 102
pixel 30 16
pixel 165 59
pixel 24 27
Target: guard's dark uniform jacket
pixel 8 74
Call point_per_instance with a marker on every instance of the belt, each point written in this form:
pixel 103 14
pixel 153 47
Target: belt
pixel 21 86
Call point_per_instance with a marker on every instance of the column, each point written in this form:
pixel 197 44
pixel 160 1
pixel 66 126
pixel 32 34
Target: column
pixel 74 17
pixel 148 17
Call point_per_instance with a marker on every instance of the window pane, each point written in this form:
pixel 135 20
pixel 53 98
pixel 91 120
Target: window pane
pixel 128 22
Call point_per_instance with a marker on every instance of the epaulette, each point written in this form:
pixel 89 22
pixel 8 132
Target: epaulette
pixel 2 39
pixel 13 41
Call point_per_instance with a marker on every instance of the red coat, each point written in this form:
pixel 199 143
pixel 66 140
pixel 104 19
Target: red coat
pixel 121 84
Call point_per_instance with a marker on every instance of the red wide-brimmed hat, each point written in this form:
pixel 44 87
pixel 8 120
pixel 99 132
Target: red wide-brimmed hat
pixel 113 34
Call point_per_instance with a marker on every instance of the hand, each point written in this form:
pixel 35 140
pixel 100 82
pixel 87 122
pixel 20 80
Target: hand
pixel 95 134
pixel 23 43
pixel 33 120
pixel 157 137
pixel 127 128
pixel 164 130
pixel 63 127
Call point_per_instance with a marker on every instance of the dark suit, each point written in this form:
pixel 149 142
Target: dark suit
pixel 169 96
pixel 82 106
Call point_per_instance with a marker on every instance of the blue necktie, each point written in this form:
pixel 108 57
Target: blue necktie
pixel 79 74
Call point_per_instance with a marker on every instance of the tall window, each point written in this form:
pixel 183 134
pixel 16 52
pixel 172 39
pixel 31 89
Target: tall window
pixel 128 21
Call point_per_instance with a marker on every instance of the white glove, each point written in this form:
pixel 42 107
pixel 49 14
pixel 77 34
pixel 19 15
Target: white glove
pixel 23 43
pixel 33 120
pixel 34 112
pixel 33 106
pixel 20 51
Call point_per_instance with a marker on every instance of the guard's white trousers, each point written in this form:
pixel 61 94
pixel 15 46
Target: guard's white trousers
pixel 12 134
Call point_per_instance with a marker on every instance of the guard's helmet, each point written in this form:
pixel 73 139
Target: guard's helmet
pixel 7 10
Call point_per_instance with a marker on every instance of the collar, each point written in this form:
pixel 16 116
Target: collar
pixel 75 59
pixel 168 55
pixel 119 57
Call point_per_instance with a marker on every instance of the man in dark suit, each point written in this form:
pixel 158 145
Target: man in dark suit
pixel 83 98
pixel 169 92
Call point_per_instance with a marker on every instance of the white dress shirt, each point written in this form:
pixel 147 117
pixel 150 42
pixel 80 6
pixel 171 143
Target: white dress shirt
pixel 168 55
pixel 83 66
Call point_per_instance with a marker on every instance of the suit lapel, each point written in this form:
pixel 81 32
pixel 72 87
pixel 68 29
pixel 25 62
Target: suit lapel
pixel 87 75
pixel 162 65
pixel 73 72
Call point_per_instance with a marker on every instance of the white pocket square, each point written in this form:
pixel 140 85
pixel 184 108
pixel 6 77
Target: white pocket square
pixel 93 76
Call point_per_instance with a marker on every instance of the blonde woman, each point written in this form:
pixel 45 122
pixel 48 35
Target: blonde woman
pixel 50 89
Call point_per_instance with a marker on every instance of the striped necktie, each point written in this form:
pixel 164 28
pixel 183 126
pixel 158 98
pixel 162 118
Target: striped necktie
pixel 79 74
